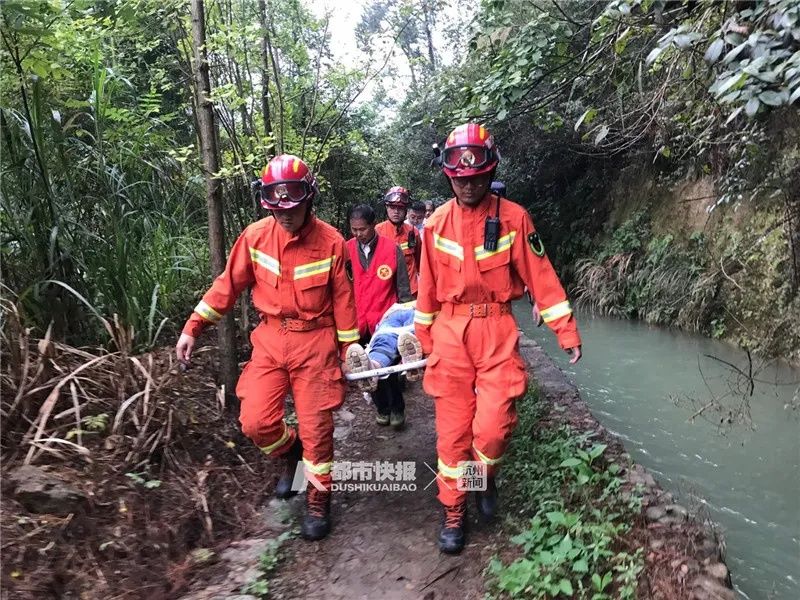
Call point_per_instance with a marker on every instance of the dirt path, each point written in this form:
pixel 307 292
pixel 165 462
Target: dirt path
pixel 383 544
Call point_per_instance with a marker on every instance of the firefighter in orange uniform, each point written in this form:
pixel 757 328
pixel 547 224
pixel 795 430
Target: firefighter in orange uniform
pixel 296 265
pixel 479 251
pixel 397 200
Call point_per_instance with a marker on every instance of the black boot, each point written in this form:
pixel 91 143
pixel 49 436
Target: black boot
pixel 283 489
pixel 487 501
pixel 317 520
pixel 451 535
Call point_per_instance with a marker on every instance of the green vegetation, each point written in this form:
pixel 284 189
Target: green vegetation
pixel 660 281
pixel 586 97
pixel 714 284
pixel 572 517
pixel 267 562
pixel 102 186
pixel 100 175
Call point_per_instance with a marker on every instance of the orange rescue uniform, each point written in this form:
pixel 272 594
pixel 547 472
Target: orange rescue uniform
pixel 305 299
pixel 463 320
pixel 411 252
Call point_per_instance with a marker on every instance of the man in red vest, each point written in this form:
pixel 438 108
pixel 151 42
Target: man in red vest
pixel 381 280
pixel 397 200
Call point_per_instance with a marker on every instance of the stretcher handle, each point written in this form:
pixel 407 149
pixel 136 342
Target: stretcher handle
pixel 398 368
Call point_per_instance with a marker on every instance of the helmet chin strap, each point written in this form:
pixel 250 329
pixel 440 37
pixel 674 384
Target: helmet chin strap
pixel 309 209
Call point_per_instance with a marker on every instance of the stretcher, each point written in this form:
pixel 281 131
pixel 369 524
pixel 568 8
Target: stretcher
pixel 384 371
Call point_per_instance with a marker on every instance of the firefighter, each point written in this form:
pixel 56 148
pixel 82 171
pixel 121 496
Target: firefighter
pixel 479 251
pixel 296 265
pixel 381 280
pixel 397 200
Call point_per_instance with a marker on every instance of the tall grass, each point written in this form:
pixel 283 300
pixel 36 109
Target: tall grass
pixel 662 283
pixel 92 198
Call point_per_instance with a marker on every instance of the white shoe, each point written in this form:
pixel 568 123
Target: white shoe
pixel 410 351
pixel 358 362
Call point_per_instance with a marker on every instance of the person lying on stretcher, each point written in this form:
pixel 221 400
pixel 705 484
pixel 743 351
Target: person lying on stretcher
pixel 393 339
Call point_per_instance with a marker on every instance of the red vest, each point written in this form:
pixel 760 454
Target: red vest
pixel 374 286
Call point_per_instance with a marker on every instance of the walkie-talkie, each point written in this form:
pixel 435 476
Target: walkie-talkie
pixel 491 229
pixel 412 239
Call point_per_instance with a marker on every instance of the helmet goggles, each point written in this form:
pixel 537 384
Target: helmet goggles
pixel 280 193
pixel 396 199
pixel 467 157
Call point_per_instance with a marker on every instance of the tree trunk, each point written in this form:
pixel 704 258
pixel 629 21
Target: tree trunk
pixel 429 34
pixel 262 17
pixel 216 229
pixel 279 136
pixel 410 58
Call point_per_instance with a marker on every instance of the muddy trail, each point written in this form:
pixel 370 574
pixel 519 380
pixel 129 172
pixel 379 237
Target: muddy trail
pixel 172 539
pixel 383 544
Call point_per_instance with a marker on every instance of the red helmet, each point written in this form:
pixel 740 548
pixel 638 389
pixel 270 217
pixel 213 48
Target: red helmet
pixel 397 196
pixel 469 150
pixel 286 181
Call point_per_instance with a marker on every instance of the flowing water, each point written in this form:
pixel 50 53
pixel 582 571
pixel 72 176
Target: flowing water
pixel 645 383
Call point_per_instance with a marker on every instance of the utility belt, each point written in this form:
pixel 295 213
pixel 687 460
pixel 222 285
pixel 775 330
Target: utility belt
pixel 288 324
pixel 487 309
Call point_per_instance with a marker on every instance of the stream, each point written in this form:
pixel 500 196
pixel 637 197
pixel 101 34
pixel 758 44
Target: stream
pixel 645 383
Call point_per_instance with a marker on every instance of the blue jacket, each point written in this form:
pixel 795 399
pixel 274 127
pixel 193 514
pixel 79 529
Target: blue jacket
pixel 383 346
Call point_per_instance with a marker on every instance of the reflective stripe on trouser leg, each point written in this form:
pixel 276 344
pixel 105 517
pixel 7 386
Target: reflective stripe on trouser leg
pixel 492 464
pixel 501 379
pixel 318 387
pixel 319 472
pixel 449 472
pixel 485 459
pixel 262 389
pixel 283 443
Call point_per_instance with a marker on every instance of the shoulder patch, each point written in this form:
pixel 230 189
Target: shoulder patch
pixel 535 243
